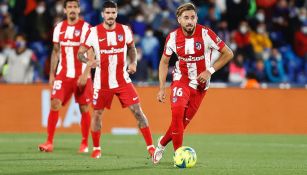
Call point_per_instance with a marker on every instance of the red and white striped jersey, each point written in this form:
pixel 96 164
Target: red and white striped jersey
pixel 194 53
pixel 70 38
pixel 110 47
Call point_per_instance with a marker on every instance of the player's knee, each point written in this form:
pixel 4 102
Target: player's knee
pixel 84 108
pixel 56 104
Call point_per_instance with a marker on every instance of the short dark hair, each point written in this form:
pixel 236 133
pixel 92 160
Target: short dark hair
pixel 185 7
pixel 109 4
pixel 66 1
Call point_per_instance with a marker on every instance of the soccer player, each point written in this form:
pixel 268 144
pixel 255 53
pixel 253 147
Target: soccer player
pixel 65 70
pixel 193 44
pixel 111 43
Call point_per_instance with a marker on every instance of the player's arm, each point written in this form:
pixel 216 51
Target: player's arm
pixel 163 70
pixel 225 57
pixel 81 54
pixel 91 63
pixel 54 62
pixel 132 53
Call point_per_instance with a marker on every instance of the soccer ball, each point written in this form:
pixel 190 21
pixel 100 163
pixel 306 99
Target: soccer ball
pixel 185 157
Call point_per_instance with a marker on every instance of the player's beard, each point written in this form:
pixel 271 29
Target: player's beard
pixel 110 22
pixel 189 31
pixel 72 16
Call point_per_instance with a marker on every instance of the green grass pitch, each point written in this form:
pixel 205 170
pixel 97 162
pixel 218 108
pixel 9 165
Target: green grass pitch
pixel 217 155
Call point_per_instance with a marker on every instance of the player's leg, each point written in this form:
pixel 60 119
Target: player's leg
pixel 179 98
pixel 143 126
pixel 101 99
pixel 96 126
pixel 53 118
pixel 60 94
pixel 85 127
pixel 193 105
pixel 129 98
pixel 83 96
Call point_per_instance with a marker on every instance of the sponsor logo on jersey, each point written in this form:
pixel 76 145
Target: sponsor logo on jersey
pixel 53 91
pixel 94 102
pixel 77 32
pixel 120 38
pixel 111 51
pixel 134 98
pixel 198 45
pixel 191 58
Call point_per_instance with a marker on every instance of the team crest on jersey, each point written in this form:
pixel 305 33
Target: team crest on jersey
pixel 77 32
pixel 120 38
pixel 174 99
pixel 198 45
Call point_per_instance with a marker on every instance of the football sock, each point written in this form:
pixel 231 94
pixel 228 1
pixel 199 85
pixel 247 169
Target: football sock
pixel 177 126
pixel 52 122
pixel 147 135
pixel 167 137
pixel 85 126
pixel 96 138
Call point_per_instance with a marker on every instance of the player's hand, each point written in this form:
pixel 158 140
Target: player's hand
pixel 161 96
pixel 51 79
pixel 82 81
pixel 204 76
pixel 131 68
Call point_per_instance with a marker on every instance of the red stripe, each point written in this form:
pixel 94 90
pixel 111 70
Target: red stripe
pixel 120 56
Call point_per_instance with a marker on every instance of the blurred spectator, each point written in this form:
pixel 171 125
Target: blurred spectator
pixel 274 67
pixel 139 25
pixel 300 41
pixel 243 42
pixel 259 71
pixel 280 20
pixel 150 48
pixel 300 45
pixel 20 63
pixel 237 72
pixel 223 32
pixel 260 41
pixel 39 24
pixel 7 32
pixel 237 10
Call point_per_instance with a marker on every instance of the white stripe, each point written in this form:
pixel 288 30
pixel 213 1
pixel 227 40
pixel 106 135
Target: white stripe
pixel 189 46
pixel 85 28
pixel 112 71
pixel 97 82
pixel 56 32
pixel 69 33
pixel 192 73
pixel 70 61
pixel 111 38
pixel 177 73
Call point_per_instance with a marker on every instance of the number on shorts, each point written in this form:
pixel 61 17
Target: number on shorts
pixel 95 95
pixel 57 84
pixel 177 92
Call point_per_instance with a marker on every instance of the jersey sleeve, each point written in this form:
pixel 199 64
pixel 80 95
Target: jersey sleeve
pixel 56 33
pixel 170 44
pixel 213 40
pixel 85 29
pixel 88 39
pixel 128 35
